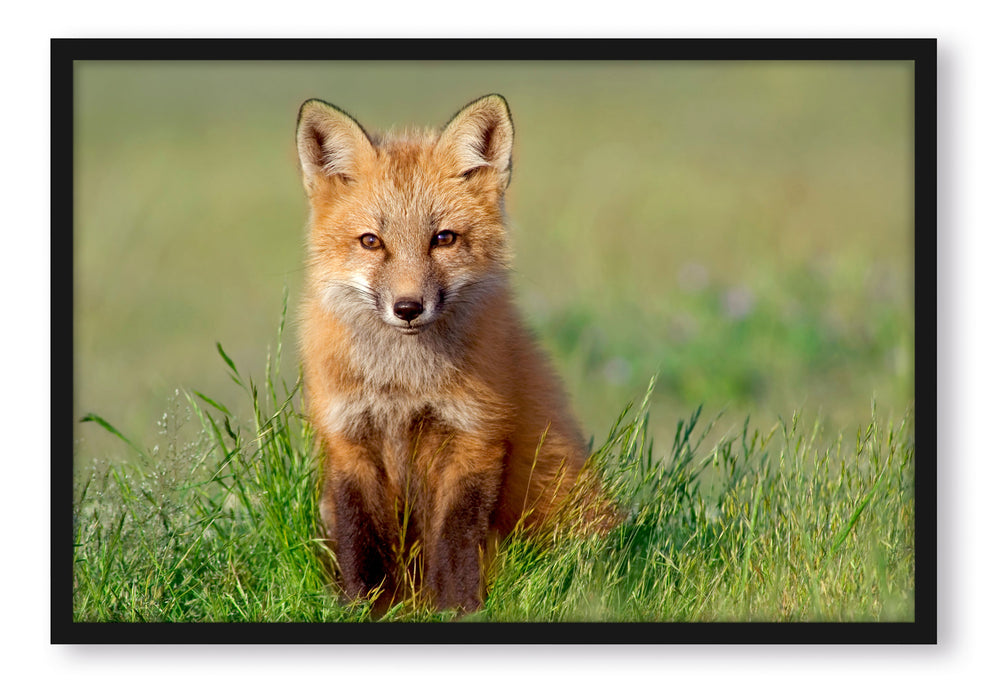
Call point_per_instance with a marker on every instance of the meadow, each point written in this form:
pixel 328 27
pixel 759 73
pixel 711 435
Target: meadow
pixel 723 248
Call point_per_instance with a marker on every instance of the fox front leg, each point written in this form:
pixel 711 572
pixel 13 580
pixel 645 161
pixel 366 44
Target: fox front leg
pixel 462 514
pixel 354 507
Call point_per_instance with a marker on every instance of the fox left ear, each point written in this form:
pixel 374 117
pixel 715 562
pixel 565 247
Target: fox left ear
pixel 480 136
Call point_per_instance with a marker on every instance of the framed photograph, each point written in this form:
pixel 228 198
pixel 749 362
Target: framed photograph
pixel 494 341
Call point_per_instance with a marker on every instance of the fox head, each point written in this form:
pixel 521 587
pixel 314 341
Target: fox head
pixel 407 228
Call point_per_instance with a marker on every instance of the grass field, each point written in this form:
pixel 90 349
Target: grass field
pixel 784 525
pixel 740 231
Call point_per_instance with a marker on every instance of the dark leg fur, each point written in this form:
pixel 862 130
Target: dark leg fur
pixel 454 563
pixel 363 549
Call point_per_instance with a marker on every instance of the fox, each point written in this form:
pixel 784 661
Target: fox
pixel 441 426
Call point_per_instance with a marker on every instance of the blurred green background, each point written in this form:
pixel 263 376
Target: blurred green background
pixel 744 229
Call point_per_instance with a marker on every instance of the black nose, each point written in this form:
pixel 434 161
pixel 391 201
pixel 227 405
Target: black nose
pixel 407 309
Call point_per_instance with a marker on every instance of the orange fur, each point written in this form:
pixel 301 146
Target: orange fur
pixel 428 397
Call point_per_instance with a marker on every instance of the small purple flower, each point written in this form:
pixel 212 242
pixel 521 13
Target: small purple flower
pixel 737 302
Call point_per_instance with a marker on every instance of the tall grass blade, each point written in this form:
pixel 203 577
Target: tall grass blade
pixel 93 418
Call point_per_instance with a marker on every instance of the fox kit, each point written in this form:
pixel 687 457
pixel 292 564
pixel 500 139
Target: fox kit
pixel 439 421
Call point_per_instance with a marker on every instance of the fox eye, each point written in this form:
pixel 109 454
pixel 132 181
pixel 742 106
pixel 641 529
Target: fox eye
pixel 370 241
pixel 445 237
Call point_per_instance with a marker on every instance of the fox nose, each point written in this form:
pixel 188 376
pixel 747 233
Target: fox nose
pixel 407 309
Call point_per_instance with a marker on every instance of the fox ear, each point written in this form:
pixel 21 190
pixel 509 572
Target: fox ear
pixel 330 143
pixel 480 136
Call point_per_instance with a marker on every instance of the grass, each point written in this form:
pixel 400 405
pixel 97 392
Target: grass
pixel 786 524
pixel 774 527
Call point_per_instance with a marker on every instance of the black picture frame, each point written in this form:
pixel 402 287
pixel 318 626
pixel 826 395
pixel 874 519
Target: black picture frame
pixel 923 54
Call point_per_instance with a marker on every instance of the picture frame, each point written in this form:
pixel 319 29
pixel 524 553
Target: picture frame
pixel 68 54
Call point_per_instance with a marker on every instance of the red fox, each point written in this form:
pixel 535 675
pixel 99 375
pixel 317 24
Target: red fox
pixel 439 421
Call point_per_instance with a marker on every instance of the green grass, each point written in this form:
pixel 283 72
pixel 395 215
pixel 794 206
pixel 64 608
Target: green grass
pixel 782 526
pixel 785 524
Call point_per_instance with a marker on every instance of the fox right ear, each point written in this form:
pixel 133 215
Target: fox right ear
pixel 330 144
